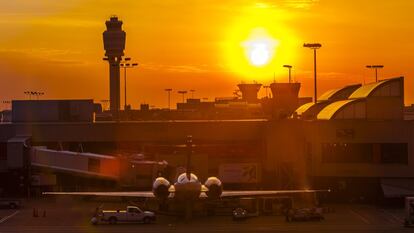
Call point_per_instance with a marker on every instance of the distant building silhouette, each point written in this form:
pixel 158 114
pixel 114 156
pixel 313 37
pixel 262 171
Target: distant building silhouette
pixel 74 110
pixel 249 91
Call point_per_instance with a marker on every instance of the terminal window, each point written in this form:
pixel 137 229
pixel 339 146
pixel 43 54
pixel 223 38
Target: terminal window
pixel 347 153
pixel 394 153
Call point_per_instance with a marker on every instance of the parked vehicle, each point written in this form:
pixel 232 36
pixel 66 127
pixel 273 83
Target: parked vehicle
pixel 304 214
pixel 131 214
pixel 409 212
pixel 10 203
pixel 239 214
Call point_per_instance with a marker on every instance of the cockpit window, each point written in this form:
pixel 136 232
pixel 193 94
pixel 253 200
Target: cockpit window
pixel 183 178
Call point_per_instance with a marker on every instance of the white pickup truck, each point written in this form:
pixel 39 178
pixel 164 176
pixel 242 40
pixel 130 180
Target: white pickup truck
pixel 131 214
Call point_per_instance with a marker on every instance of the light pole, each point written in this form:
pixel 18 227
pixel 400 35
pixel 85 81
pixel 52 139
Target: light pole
pixel 126 65
pixel 34 93
pixel 376 67
pixel 192 94
pixel 6 103
pixel 289 68
pixel 37 94
pixel 182 93
pixel 168 90
pixel 314 46
pixel 28 94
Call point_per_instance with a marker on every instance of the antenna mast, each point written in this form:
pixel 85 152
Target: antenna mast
pixel 189 144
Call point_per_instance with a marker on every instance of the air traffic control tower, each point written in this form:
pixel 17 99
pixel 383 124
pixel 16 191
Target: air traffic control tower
pixel 114 45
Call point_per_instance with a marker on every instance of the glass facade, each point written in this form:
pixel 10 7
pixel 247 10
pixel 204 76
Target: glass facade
pixel 384 153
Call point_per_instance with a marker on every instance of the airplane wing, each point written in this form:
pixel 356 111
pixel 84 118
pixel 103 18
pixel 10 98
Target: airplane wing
pixel 149 194
pixel 252 193
pixel 104 194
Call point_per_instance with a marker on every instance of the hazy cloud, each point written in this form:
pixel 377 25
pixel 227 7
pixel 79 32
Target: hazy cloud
pixel 56 22
pixel 53 56
pixel 300 4
pixel 181 68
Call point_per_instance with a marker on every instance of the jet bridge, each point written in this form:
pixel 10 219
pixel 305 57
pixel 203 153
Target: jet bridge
pixel 87 164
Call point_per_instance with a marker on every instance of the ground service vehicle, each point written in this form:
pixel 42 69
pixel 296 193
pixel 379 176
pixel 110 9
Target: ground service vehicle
pixel 304 214
pixel 131 214
pixel 239 214
pixel 10 203
pixel 409 212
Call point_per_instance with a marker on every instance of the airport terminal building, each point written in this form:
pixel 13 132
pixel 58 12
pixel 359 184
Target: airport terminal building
pixel 354 140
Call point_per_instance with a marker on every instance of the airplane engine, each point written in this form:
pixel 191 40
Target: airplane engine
pixel 160 188
pixel 215 188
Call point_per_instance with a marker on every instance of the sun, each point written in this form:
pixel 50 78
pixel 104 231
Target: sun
pixel 257 44
pixel 260 54
pixel 260 47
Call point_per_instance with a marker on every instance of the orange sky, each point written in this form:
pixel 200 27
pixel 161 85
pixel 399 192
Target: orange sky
pixel 56 46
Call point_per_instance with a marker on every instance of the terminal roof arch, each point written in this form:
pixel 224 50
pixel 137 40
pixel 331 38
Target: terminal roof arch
pixel 387 87
pixel 339 93
pixel 344 109
pixel 303 108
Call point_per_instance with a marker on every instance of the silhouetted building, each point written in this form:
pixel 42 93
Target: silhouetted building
pixel 52 110
pixel 144 107
pixel 196 105
pixel 358 145
pixel 285 98
pixel 409 112
pixel 383 100
pixel 249 91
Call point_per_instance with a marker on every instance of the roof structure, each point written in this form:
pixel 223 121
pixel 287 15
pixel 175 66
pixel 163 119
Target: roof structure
pixel 339 94
pixel 325 96
pixel 387 87
pixel 304 108
pixel 348 108
pixel 363 101
pixel 311 110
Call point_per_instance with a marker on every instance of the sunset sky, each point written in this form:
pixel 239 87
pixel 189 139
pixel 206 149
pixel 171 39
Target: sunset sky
pixel 207 45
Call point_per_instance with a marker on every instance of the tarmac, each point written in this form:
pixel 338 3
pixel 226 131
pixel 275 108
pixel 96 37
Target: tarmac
pixel 66 216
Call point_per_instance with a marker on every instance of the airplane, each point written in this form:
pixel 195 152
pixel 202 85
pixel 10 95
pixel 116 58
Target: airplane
pixel 188 188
